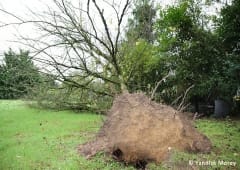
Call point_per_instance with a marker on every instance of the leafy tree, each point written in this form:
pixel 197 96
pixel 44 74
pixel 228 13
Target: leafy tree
pixel 190 49
pixel 228 29
pixel 18 74
pixel 141 67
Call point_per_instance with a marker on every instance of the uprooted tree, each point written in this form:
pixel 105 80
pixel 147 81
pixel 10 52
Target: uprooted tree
pixel 86 38
pixel 79 42
pixel 87 41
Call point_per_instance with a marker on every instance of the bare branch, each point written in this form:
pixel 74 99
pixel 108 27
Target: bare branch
pixel 11 14
pixel 100 12
pixel 181 105
pixel 71 42
pixel 158 84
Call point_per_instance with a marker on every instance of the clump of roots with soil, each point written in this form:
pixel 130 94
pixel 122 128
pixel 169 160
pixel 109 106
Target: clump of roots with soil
pixel 138 130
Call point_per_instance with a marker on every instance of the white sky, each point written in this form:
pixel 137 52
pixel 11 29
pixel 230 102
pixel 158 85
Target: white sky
pixel 20 8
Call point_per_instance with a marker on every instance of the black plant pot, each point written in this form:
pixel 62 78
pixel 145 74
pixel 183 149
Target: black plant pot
pixel 221 109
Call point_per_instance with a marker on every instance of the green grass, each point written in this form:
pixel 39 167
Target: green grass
pixel 225 137
pixel 33 138
pixel 44 139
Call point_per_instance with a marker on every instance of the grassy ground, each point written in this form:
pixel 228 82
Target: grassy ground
pixel 43 139
pixel 225 137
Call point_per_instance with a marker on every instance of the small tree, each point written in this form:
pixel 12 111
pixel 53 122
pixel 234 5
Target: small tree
pixel 18 74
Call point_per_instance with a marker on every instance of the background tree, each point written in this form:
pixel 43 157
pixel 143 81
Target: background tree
pixel 140 65
pixel 228 26
pixel 228 30
pixel 190 49
pixel 18 75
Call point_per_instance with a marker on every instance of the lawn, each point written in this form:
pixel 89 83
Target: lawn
pixel 33 138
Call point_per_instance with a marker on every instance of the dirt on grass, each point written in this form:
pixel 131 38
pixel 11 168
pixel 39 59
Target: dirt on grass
pixel 139 131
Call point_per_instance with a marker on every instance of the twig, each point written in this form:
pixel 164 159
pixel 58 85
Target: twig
pixel 180 107
pixel 158 84
pixel 176 100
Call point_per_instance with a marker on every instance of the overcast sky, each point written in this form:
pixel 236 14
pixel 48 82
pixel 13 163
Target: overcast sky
pixel 18 8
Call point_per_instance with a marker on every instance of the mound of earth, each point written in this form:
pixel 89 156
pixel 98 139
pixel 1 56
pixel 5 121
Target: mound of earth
pixel 138 130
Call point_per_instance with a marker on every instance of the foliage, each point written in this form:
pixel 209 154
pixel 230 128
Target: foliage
pixel 191 50
pixel 17 75
pixel 65 96
pixel 228 29
pixel 141 67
